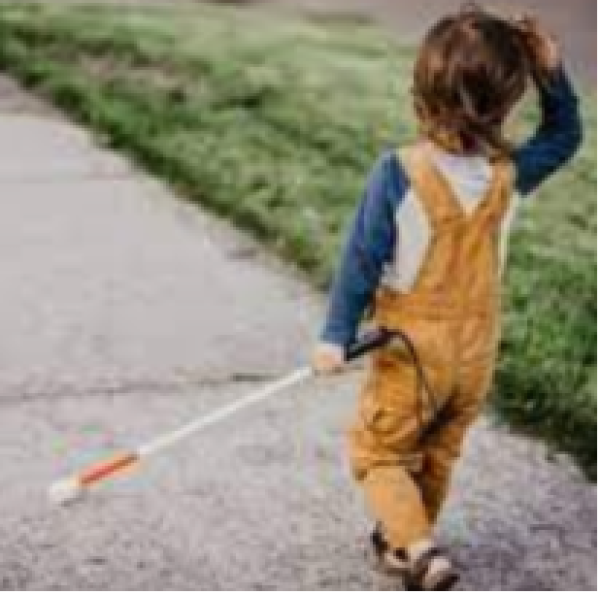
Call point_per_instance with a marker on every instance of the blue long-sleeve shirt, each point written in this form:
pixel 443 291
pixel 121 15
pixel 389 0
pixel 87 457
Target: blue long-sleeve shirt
pixel 376 241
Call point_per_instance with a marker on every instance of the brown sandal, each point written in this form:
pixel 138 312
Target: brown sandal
pixel 432 571
pixel 393 562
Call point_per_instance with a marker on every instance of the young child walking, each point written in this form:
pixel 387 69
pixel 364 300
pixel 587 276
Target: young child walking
pixel 426 252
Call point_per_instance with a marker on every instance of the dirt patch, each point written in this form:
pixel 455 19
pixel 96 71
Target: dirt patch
pixel 13 100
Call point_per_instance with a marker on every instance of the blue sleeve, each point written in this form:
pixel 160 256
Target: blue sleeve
pixel 557 138
pixel 369 246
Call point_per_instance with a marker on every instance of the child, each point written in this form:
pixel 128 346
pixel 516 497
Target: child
pixel 427 250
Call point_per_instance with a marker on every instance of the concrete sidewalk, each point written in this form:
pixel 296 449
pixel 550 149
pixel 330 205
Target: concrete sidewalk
pixel 125 312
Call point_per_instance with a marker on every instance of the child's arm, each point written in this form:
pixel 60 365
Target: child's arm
pixel 557 138
pixel 369 247
pixel 560 131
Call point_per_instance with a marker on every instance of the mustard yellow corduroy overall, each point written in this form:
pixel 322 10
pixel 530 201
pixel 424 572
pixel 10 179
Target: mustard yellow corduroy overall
pixel 402 446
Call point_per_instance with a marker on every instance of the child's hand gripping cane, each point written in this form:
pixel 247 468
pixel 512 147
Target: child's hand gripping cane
pixel 331 358
pixel 73 487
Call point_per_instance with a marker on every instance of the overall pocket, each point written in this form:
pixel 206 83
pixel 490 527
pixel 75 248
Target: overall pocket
pixel 392 423
pixel 394 436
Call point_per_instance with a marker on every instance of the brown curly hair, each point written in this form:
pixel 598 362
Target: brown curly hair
pixel 473 67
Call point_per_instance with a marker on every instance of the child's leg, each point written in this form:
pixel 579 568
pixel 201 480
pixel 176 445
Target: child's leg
pixel 395 500
pixel 402 540
pixel 442 446
pixel 440 451
pixel 385 455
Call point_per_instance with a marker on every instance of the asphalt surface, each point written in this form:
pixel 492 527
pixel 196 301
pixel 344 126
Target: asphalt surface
pixel 126 312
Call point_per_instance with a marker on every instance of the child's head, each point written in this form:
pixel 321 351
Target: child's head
pixel 473 67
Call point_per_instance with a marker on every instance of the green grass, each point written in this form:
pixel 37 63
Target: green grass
pixel 274 123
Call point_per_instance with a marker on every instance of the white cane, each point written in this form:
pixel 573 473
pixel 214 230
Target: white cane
pixel 77 485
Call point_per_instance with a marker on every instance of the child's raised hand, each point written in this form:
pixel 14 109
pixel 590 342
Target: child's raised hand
pixel 542 45
pixel 328 358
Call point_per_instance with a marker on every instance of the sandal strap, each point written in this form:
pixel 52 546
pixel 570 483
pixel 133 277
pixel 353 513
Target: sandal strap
pixel 446 581
pixel 423 562
pixel 442 579
pixel 378 542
